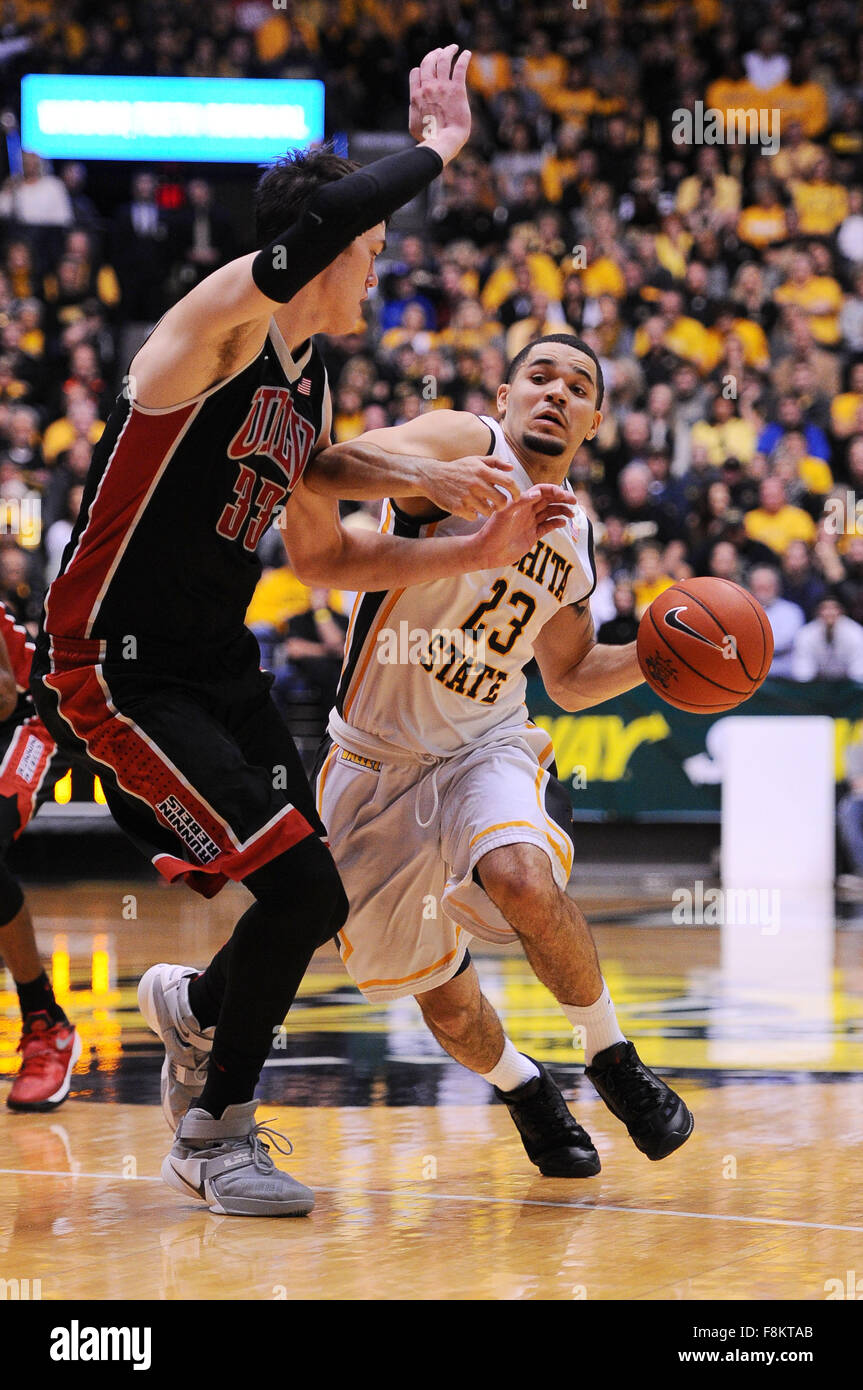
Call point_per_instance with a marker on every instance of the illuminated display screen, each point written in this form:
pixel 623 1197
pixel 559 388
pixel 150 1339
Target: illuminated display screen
pixel 211 119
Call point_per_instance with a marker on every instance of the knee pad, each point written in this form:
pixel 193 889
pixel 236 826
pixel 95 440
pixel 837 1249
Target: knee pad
pixel 303 886
pixel 11 896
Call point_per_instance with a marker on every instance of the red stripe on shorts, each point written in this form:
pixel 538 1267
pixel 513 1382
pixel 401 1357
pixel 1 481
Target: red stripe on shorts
pixel 286 831
pixel 144 772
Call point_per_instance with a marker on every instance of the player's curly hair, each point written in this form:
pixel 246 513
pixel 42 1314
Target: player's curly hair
pixel 289 183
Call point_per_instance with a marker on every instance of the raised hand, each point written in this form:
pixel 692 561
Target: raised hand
pixel 514 531
pixel 439 109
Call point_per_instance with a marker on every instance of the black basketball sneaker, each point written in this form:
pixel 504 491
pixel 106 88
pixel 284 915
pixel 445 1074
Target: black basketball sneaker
pixel 657 1119
pixel 552 1138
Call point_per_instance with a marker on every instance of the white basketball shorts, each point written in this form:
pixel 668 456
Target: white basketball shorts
pixel 406 837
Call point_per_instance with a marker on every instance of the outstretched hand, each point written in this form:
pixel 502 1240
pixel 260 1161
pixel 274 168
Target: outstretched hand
pixel 439 110
pixel 514 531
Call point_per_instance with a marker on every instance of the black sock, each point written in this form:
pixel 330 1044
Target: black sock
pixel 266 969
pixel 300 903
pixel 37 996
pixel 207 990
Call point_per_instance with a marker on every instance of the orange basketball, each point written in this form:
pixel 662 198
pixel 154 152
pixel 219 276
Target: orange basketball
pixel 705 645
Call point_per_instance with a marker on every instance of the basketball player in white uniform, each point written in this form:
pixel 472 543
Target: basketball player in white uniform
pixel 439 796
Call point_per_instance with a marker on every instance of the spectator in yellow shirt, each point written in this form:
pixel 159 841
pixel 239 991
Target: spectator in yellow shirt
pixel 845 409
pixel 544 274
pixel 776 523
pixel 490 72
pixel 80 419
pixel 800 99
pixel 542 319
pixel 684 336
pixel 726 436
pixel 821 204
pixel 818 296
pixel 545 71
pixel 724 189
pixel 650 578
pixel 756 352
pixel 796 156
pixel 764 223
pixel 577 100
pixel 794 464
pixel 560 167
pixel 672 246
pixel 279 596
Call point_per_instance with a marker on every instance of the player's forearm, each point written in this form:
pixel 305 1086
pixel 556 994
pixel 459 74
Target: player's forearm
pixel 357 471
pixel 372 563
pixel 601 674
pixel 337 213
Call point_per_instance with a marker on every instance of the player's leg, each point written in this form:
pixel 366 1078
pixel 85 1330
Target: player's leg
pixel 183 788
pixel 507 835
pixel 299 903
pixel 557 941
pixel 556 938
pixel 398 941
pixel 464 1023
pixel 50 1045
pixel 302 884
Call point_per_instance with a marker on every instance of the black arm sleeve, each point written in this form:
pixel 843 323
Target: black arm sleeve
pixel 339 212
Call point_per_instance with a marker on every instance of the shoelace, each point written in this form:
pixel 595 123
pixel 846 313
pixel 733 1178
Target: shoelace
pixel 261 1151
pixel 539 1106
pixel 35 1041
pixel 629 1080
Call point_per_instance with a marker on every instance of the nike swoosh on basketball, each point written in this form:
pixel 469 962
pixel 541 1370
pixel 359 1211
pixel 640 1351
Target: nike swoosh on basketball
pixel 672 620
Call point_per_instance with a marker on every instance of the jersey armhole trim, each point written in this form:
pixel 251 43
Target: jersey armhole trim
pixel 412 525
pixel 491 435
pixel 577 603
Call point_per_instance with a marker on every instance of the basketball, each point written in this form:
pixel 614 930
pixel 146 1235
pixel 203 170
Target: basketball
pixel 705 645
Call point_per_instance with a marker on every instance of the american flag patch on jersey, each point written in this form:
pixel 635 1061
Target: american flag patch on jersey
pixel 305 386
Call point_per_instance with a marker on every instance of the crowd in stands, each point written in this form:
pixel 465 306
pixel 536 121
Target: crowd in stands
pixel 721 284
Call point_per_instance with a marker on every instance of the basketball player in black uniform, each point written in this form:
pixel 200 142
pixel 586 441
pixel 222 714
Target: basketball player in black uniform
pixel 145 668
pixel 29 770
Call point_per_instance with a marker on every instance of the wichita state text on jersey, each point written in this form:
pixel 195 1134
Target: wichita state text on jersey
pixel 435 666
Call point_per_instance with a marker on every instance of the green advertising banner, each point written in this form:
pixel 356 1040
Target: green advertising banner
pixel 637 757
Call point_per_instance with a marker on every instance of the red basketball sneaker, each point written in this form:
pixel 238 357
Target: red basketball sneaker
pixel 49 1051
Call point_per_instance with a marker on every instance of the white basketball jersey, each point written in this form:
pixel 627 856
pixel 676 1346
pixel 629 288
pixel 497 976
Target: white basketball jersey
pixel 434 667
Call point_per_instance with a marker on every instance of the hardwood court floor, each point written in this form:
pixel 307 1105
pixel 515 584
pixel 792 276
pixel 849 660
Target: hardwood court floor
pixel 423 1188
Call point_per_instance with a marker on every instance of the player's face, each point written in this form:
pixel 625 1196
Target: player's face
pixel 550 405
pixel 346 283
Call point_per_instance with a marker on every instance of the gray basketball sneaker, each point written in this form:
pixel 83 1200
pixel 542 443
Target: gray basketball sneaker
pixel 227 1165
pixel 163 998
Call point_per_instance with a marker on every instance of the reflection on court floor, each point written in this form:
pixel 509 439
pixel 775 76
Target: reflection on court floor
pixel 763 1032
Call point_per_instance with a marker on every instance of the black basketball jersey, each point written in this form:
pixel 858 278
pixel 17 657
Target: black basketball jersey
pixel 176 501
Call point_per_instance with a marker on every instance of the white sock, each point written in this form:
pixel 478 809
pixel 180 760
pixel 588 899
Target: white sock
pixel 513 1069
pixel 596 1024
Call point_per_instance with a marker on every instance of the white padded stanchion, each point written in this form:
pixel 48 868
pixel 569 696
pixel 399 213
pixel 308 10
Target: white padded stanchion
pixel 778 802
